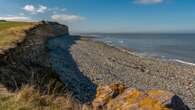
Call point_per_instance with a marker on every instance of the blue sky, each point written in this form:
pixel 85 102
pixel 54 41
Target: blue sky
pixel 106 15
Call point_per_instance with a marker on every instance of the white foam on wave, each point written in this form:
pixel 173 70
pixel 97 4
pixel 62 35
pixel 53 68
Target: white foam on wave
pixel 184 62
pixel 163 58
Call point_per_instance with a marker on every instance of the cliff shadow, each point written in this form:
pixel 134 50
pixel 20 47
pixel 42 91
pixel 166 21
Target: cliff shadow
pixel 64 64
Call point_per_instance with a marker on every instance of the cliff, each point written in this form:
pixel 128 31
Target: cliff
pixel 29 61
pixel 27 79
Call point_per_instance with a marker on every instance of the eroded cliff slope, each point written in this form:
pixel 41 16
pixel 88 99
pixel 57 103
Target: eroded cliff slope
pixel 29 59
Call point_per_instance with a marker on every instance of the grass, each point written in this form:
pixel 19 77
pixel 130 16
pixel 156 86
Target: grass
pixel 30 99
pixel 41 93
pixel 10 24
pixel 12 33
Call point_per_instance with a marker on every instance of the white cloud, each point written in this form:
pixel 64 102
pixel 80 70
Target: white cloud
pixel 57 9
pixel 148 1
pixel 41 9
pixel 15 18
pixel 66 18
pixel 35 9
pixel 29 8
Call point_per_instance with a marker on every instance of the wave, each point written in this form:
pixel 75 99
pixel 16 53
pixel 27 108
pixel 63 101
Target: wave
pixel 146 54
pixel 184 62
pixel 164 58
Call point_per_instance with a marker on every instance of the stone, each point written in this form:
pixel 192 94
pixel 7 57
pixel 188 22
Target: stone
pixel 106 93
pixel 135 99
pixel 177 104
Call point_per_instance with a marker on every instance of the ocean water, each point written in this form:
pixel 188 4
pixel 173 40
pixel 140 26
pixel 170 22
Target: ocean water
pixel 178 47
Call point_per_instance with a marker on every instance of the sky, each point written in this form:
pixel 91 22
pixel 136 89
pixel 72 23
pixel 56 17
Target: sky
pixel 107 16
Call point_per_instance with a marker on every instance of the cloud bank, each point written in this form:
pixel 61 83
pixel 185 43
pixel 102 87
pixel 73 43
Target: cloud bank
pixel 51 13
pixel 66 18
pixel 148 1
pixel 15 18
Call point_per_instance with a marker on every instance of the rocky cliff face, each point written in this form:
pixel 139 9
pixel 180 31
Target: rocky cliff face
pixel 30 60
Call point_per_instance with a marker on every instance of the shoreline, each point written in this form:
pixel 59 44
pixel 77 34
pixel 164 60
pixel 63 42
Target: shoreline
pixel 103 65
pixel 176 62
pixel 172 60
pixel 141 54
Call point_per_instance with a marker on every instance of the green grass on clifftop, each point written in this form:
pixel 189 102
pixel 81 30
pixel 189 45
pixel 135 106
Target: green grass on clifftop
pixel 10 24
pixel 12 33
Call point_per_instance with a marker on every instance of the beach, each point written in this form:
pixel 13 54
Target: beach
pixel 99 64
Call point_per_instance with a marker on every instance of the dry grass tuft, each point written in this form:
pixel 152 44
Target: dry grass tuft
pixel 28 98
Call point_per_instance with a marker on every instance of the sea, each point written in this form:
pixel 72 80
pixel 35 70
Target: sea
pixel 175 47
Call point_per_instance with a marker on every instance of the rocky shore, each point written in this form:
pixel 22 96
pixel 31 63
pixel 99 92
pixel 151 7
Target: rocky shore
pixel 102 64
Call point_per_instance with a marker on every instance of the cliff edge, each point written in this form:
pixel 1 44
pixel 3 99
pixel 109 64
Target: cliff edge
pixel 29 60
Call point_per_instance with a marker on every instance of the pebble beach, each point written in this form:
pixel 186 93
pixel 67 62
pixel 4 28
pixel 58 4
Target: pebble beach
pixel 104 64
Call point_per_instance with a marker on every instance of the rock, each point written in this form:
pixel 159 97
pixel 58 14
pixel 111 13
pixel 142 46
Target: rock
pixel 106 93
pixel 134 99
pixel 177 104
pixel 160 95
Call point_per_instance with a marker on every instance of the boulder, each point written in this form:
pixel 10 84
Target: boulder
pixel 118 97
pixel 105 94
